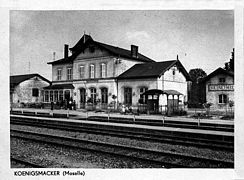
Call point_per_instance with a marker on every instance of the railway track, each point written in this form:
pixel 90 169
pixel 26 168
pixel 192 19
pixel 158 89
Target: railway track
pixel 165 122
pixel 166 159
pixel 170 139
pixel 25 163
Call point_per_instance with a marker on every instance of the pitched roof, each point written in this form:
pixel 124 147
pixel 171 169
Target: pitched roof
pixel 216 72
pixel 82 44
pixel 85 38
pixel 16 79
pixel 154 69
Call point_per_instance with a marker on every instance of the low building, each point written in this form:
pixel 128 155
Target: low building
pixel 166 81
pixel 27 88
pixel 220 89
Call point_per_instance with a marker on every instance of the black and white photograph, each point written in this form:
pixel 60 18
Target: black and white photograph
pixel 122 89
pixel 129 90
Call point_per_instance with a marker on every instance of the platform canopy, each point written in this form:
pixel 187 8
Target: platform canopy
pixel 158 92
pixel 60 86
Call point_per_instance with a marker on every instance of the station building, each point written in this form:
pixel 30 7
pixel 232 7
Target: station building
pixel 219 88
pixel 100 73
pixel 27 88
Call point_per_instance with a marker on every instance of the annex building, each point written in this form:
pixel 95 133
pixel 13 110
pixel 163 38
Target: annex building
pixel 103 74
pixel 220 88
pixel 27 88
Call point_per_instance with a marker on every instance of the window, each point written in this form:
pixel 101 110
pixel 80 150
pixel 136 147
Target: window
pixel 46 99
pixel 143 99
pixel 82 71
pixel 61 95
pixel 55 96
pixel 59 74
pixel 35 92
pixel 222 99
pixel 103 70
pixel 92 71
pixel 69 73
pixel 42 95
pixel 128 95
pixel 104 95
pixel 93 95
pixel 51 96
pixel 221 80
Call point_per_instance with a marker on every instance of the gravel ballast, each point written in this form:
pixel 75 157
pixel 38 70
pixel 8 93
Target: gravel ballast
pixel 203 152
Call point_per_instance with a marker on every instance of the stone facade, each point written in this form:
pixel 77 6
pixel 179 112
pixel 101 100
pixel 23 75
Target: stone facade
pixel 23 92
pixel 220 92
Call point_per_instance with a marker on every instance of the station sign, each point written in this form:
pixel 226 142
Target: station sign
pixel 221 87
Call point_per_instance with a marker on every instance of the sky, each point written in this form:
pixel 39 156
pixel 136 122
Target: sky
pixel 201 38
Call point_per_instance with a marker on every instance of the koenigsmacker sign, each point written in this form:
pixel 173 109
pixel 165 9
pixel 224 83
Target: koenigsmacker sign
pixel 221 87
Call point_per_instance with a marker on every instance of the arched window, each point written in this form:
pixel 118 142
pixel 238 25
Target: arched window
pixel 222 99
pixel 104 95
pixel 128 95
pixel 82 95
pixel 93 94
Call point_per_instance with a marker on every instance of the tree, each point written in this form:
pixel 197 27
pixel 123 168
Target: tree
pixel 197 91
pixel 229 66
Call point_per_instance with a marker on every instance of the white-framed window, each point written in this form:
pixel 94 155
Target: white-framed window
pixel 59 74
pixel 92 71
pixel 46 96
pixel 69 73
pixel 51 96
pixel 82 71
pixel 223 99
pixel 93 94
pixel 143 99
pixel 55 96
pixel 103 70
pixel 61 95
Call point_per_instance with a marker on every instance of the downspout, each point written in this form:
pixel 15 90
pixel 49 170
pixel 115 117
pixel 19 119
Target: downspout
pixel 117 87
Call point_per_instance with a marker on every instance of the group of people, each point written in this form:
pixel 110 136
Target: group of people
pixel 65 104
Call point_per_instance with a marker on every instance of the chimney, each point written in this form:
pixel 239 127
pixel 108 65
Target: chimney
pixel 134 51
pixel 54 56
pixel 66 50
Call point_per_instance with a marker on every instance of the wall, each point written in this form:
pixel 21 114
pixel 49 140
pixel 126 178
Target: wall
pixel 23 91
pixel 115 66
pixel 64 71
pixel 175 82
pixel 98 84
pixel 135 84
pixel 213 96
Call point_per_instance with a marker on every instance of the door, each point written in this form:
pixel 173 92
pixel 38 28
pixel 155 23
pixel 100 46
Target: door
pixel 82 97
